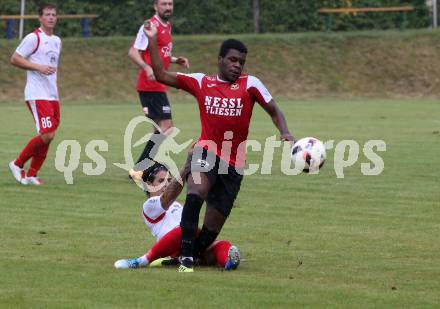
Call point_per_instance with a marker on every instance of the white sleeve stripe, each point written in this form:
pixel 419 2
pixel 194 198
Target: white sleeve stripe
pixel 196 76
pixel 35 114
pixel 254 82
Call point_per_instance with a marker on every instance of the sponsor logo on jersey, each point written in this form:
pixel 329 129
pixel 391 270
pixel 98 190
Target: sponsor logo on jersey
pixel 166 50
pixel 223 106
pixel 211 85
pixel 235 86
pixel 53 57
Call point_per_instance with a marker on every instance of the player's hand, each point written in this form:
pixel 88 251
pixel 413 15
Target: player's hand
pixel 150 73
pixel 183 62
pixel 287 137
pixel 150 29
pixel 47 70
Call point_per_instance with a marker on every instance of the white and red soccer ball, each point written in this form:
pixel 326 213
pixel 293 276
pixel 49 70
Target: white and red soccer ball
pixel 308 154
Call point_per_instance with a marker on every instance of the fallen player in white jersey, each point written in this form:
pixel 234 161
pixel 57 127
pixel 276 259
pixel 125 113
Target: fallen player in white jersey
pixel 162 214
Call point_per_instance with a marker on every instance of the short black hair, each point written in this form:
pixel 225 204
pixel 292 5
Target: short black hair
pixel 44 6
pixel 232 44
pixel 149 174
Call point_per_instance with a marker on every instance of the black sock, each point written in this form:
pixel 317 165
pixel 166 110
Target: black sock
pixel 205 239
pixel 156 139
pixel 190 222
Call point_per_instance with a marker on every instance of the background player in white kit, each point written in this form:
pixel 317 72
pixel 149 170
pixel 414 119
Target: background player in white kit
pixel 39 54
pixel 162 214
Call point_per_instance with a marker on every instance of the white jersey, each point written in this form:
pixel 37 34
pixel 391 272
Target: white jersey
pixel 40 48
pixel 157 219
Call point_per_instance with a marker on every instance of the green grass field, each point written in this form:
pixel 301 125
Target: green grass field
pixel 307 240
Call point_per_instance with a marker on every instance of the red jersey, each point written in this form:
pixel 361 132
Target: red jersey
pixel 165 47
pixel 225 112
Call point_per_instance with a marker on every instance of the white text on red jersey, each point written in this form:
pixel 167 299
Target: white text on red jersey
pixel 223 106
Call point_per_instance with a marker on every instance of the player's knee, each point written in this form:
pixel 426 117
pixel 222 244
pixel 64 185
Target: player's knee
pixel 166 127
pixel 48 137
pixel 214 226
pixel 198 186
pixel 199 192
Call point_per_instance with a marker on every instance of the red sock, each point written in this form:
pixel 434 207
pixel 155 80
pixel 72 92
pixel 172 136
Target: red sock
pixel 168 245
pixel 38 160
pixel 29 150
pixel 220 250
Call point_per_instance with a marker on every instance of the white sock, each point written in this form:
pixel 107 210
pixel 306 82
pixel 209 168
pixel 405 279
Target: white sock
pixel 142 260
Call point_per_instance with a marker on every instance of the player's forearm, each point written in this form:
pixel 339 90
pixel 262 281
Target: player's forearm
pixel 156 62
pixel 22 63
pixel 173 190
pixel 162 75
pixel 171 193
pixel 280 122
pixel 278 119
pixel 136 58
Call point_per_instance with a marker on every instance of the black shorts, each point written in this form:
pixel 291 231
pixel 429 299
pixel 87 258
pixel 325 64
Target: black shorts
pixel 155 105
pixel 224 179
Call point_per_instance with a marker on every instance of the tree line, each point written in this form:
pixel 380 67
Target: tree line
pixel 123 17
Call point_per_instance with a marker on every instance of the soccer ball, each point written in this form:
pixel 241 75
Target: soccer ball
pixel 308 154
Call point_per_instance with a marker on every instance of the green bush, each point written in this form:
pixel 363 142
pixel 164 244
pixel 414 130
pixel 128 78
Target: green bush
pixel 123 17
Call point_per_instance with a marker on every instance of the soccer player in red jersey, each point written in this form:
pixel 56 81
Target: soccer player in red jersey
pixel 161 214
pixel 38 54
pixel 225 104
pixel 152 94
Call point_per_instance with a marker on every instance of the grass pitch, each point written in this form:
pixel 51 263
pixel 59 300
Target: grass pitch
pixel 315 241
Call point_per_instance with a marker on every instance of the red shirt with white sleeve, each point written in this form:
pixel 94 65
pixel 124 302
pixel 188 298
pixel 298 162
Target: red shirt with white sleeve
pixel 165 48
pixel 225 112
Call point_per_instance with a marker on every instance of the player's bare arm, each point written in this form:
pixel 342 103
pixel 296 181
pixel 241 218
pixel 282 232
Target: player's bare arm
pixel 279 120
pixel 182 61
pixel 22 63
pixel 175 187
pixel 135 56
pixel 162 75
